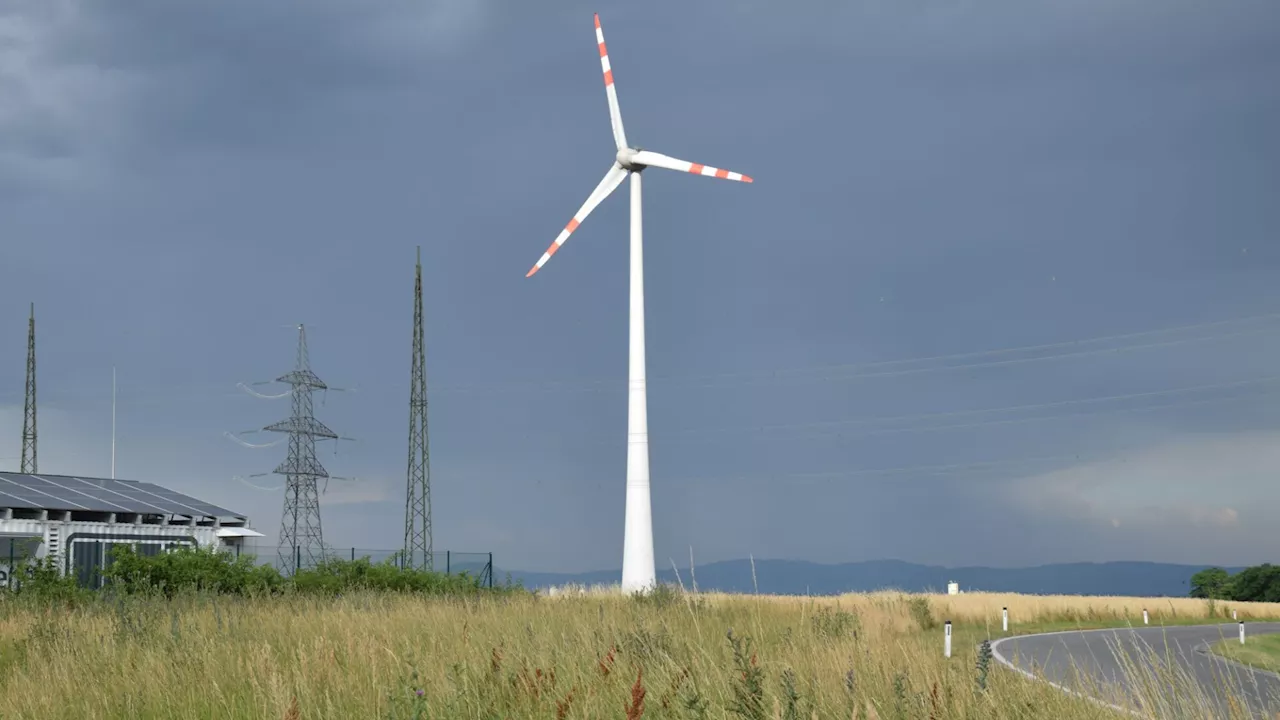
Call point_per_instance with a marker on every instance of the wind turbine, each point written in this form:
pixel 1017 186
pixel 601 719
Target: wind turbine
pixel 638 572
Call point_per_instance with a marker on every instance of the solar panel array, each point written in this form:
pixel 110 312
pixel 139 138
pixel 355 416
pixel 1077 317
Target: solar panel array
pixel 61 492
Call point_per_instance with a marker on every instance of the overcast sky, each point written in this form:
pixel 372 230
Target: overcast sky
pixel 182 183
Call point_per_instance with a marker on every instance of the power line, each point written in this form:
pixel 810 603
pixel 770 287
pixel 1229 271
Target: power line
pixel 1011 408
pixel 1063 344
pixel 937 469
pixel 868 426
pixel 1019 421
pixel 879 369
pixel 838 372
pixel 996 363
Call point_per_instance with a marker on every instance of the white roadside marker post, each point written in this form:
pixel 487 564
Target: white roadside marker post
pixel 1005 613
pixel 946 643
pixel 1241 632
pixel 1145 621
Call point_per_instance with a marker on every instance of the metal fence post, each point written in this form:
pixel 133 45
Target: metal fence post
pixel 353 554
pixel 448 562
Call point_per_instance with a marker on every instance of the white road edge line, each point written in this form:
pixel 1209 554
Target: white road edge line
pixel 1203 649
pixel 1000 658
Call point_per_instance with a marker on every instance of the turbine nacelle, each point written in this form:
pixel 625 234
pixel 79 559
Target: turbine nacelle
pixel 626 157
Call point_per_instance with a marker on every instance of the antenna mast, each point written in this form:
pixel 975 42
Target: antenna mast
pixel 29 406
pixel 301 544
pixel 113 422
pixel 417 509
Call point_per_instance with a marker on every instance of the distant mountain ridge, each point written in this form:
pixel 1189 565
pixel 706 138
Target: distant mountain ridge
pixel 799 577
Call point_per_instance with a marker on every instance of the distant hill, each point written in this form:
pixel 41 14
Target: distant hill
pixel 797 577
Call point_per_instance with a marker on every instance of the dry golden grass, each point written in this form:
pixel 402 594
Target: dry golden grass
pixel 985 608
pixel 853 656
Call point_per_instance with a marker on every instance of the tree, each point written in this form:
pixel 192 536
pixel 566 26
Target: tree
pixel 1260 583
pixel 1212 583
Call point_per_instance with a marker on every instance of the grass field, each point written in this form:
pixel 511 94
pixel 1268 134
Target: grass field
pixel 593 656
pixel 1260 652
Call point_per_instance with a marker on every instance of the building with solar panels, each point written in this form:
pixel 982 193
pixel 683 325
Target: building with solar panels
pixel 78 520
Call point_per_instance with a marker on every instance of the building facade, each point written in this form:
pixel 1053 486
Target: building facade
pixel 77 521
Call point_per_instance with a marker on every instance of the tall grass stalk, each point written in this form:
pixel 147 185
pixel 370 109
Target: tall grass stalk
pixel 386 655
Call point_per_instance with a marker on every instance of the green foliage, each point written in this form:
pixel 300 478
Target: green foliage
pixel 205 571
pixel 41 580
pixel 695 705
pixel 790 696
pixel 900 694
pixel 410 702
pixel 336 576
pixel 189 569
pixel 983 665
pixel 1260 583
pixel 835 624
pixel 922 613
pixel 646 644
pixel 748 687
pixel 1211 583
pixel 660 596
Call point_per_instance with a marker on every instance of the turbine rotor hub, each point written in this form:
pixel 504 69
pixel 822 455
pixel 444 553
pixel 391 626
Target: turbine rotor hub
pixel 626 158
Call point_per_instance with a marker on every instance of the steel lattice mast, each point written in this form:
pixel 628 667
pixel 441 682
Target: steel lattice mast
pixel 417 508
pixel 301 543
pixel 29 406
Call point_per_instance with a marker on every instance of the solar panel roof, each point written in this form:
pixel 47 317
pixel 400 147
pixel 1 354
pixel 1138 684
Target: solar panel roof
pixel 63 492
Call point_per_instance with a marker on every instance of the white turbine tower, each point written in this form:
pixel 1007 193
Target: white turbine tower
pixel 638 571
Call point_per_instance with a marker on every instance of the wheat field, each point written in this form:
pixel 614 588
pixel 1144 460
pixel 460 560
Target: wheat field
pixel 589 655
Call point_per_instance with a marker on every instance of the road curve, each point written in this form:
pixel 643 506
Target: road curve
pixel 1109 665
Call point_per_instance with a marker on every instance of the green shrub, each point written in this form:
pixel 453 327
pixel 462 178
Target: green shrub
pixel 334 576
pixel 835 623
pixel 189 569
pixel 210 571
pixel 660 596
pixel 922 613
pixel 42 580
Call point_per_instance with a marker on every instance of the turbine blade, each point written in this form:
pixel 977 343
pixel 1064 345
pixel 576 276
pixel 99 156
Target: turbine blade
pixel 653 159
pixel 611 181
pixel 615 113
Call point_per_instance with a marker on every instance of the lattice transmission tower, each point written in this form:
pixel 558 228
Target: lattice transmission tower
pixel 301 543
pixel 417 506
pixel 29 406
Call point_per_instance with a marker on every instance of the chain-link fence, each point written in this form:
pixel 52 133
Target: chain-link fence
pixel 474 564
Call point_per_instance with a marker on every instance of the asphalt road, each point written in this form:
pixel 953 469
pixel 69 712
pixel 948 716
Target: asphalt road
pixel 1109 665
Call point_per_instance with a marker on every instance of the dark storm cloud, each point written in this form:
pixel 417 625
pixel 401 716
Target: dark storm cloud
pixel 186 181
